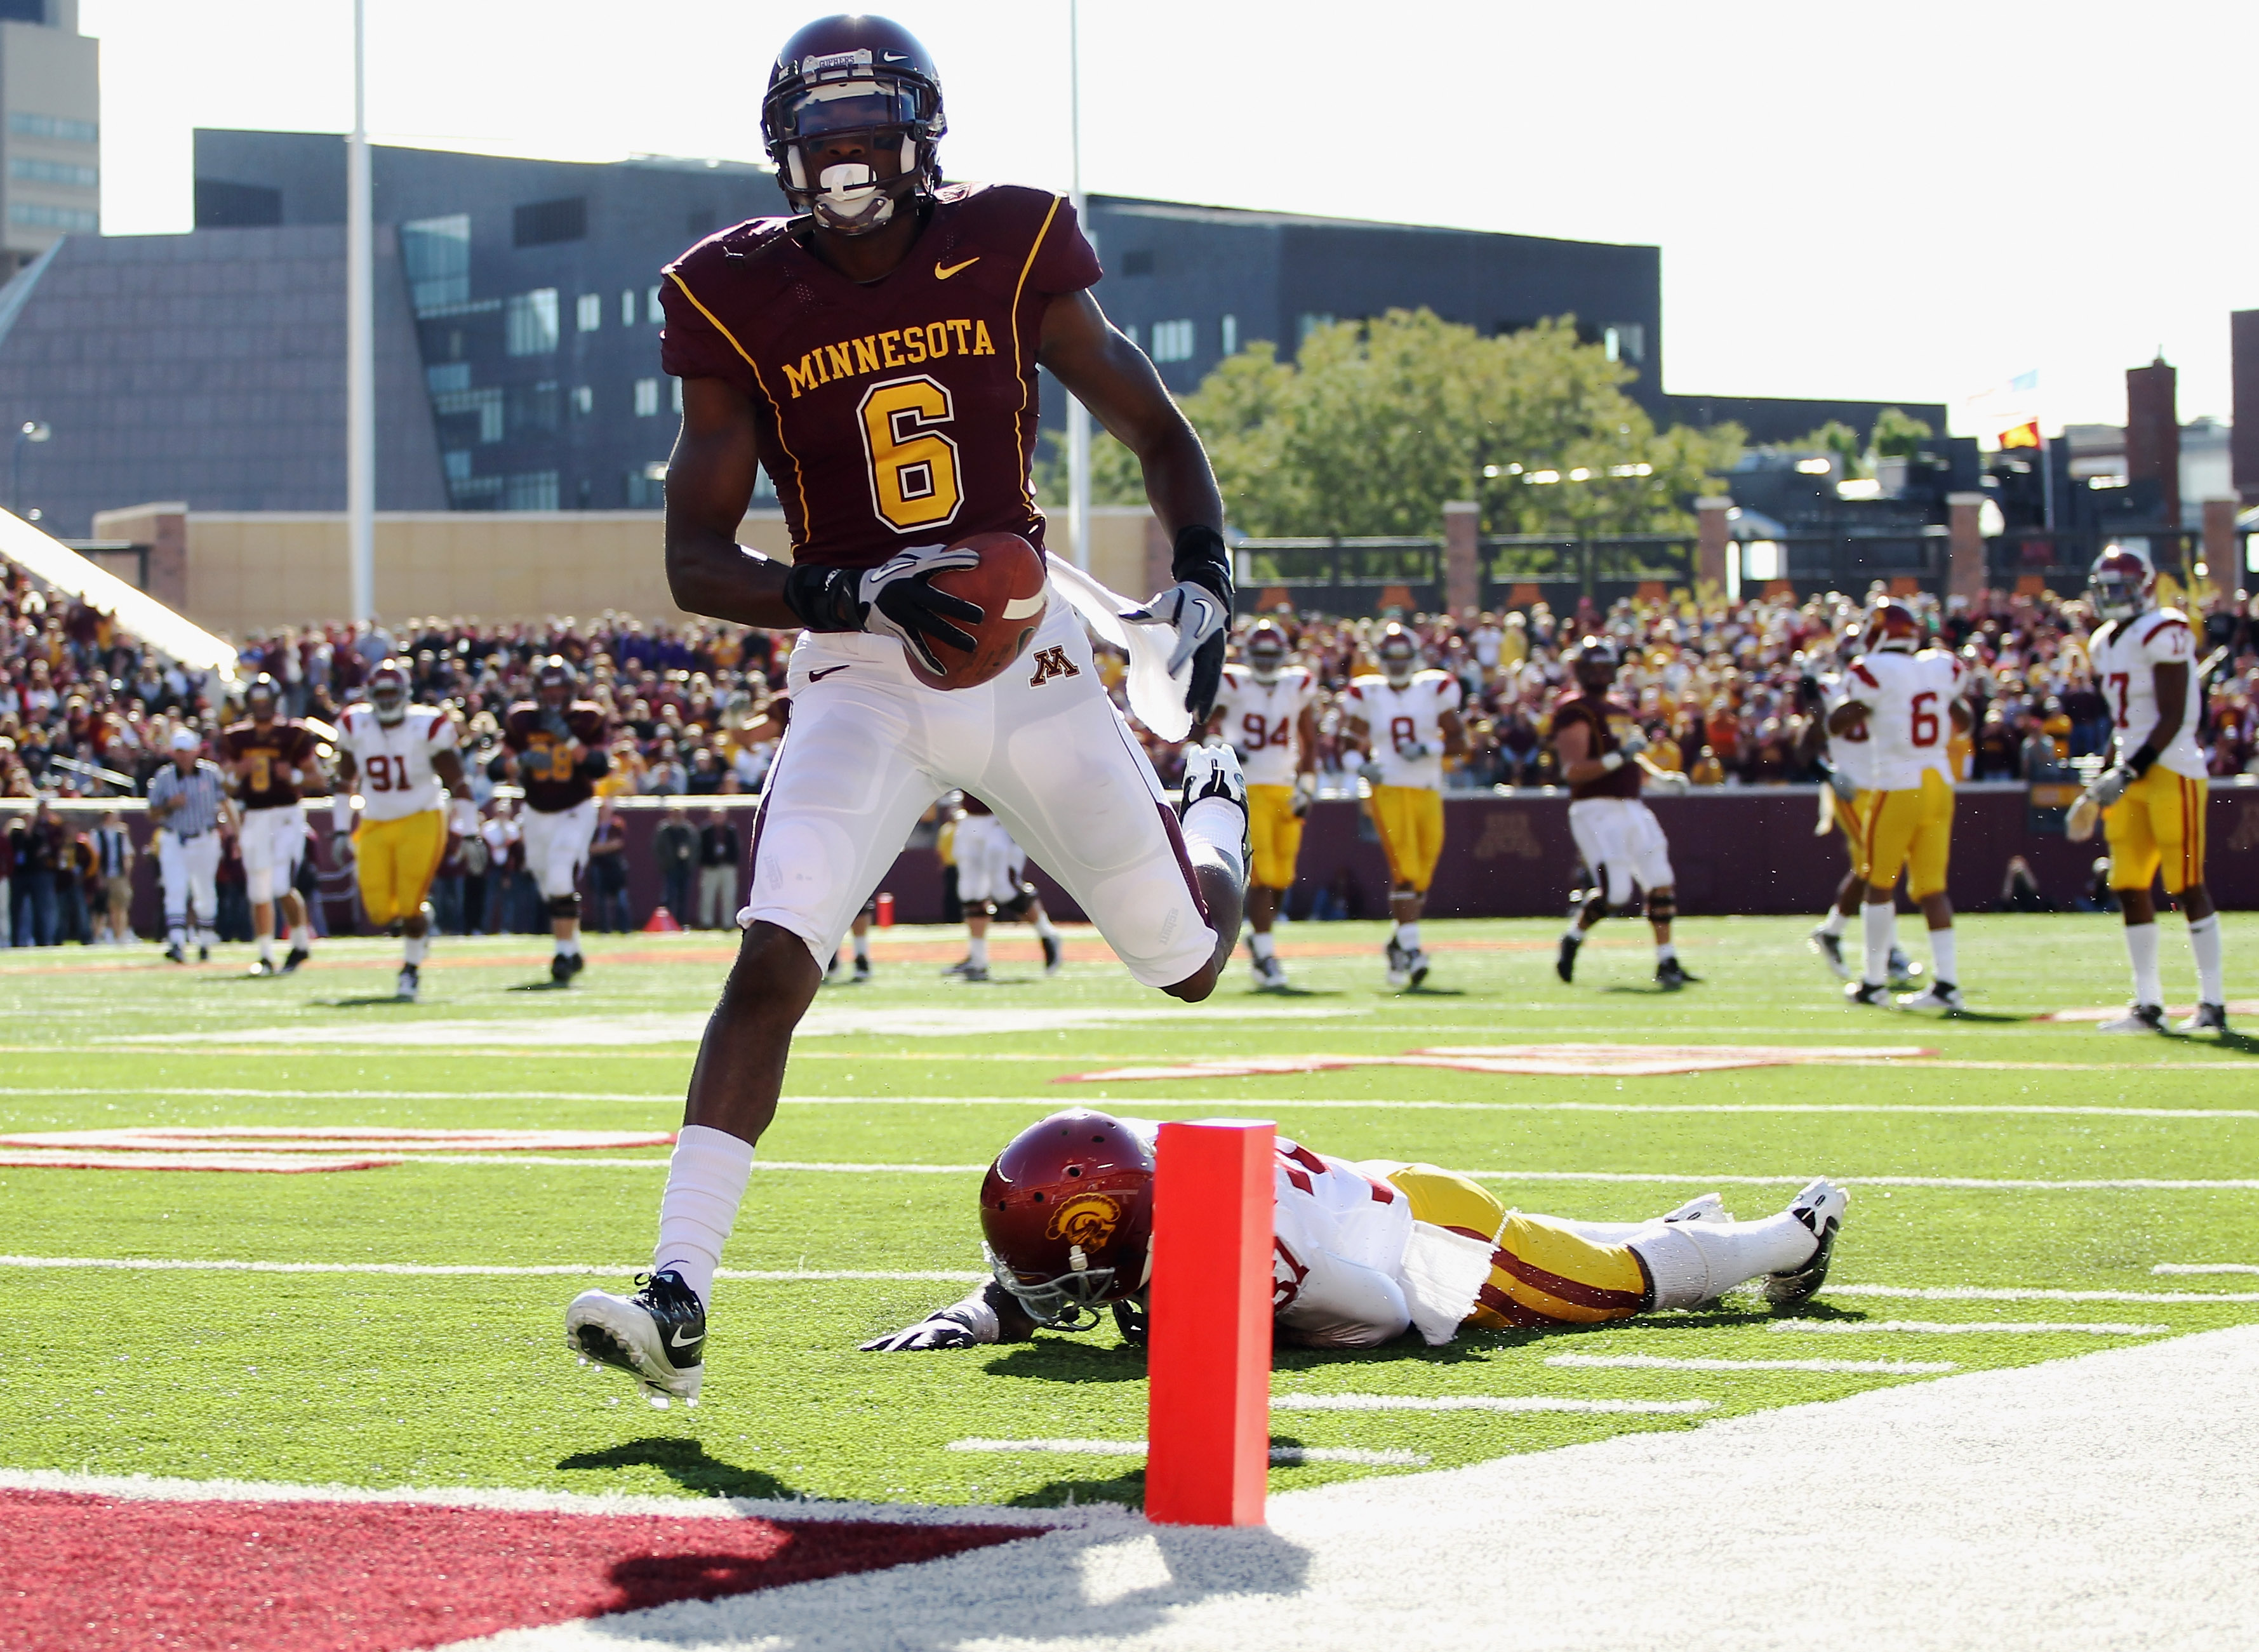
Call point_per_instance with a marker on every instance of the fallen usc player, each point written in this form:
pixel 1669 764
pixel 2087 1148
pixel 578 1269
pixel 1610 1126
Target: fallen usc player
pixel 1362 1252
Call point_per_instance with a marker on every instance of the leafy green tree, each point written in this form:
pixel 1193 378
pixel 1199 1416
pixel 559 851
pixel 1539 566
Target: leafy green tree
pixel 1896 432
pixel 1835 437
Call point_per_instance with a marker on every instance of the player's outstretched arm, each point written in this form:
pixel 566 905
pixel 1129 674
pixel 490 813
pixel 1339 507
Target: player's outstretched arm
pixel 988 1316
pixel 710 481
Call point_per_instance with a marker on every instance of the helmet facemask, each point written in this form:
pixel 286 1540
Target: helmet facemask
pixel 387 696
pixel 1069 1302
pixel 882 126
pixel 2119 585
pixel 1400 659
pixel 1266 656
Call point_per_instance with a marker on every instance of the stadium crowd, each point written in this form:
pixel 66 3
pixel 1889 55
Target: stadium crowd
pixel 1724 690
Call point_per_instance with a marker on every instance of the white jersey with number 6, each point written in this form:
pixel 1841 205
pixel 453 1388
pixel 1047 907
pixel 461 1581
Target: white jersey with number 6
pixel 396 761
pixel 2126 655
pixel 1263 722
pixel 1910 714
pixel 1412 714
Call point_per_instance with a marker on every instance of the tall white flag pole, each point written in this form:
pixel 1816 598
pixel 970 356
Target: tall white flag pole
pixel 1078 416
pixel 360 343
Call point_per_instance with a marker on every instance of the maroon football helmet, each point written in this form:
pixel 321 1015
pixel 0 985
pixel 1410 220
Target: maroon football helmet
pixel 555 684
pixel 846 93
pixel 1067 1216
pixel 387 691
pixel 2122 583
pixel 260 698
pixel 1891 623
pixel 1593 662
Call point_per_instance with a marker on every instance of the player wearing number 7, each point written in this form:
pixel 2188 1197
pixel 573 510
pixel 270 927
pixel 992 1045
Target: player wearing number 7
pixel 1906 697
pixel 404 760
pixel 1267 712
pixel 2153 797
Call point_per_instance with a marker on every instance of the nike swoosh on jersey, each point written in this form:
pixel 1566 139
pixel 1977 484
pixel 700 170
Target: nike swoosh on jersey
pixel 818 676
pixel 943 272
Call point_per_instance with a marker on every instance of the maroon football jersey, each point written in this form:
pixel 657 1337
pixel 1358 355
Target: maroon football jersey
pixel 896 414
pixel 1602 716
pixel 267 754
pixel 546 769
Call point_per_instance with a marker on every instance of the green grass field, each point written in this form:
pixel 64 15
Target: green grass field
pixel 381 1379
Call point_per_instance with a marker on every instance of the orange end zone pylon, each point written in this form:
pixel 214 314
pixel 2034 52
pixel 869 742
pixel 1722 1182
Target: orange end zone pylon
pixel 1207 1427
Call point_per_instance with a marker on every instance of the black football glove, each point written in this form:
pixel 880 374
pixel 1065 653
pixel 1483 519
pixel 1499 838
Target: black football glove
pixel 896 598
pixel 940 1331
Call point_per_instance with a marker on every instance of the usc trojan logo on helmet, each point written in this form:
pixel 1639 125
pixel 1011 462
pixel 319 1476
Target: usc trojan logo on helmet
pixel 1087 1220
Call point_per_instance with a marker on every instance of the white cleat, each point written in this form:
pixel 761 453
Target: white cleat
pixel 1830 948
pixel 658 1336
pixel 2138 1018
pixel 1400 966
pixel 1701 1208
pixel 2208 1018
pixel 408 984
pixel 1940 995
pixel 1213 771
pixel 1821 1207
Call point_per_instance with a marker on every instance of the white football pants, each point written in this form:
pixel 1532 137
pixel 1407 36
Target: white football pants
pixel 557 845
pixel 988 862
pixel 1622 845
pixel 190 871
pixel 272 841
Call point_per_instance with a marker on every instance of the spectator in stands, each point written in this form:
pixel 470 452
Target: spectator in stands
pixel 113 870
pixel 607 872
pixel 717 872
pixel 36 841
pixel 675 851
pixel 666 776
pixel 7 884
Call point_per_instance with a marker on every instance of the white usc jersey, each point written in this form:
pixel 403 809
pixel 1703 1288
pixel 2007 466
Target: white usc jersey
pixel 1400 716
pixel 1263 722
pixel 2125 655
pixel 1909 700
pixel 396 777
pixel 1852 754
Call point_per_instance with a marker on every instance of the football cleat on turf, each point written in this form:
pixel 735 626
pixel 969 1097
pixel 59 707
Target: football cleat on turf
pixel 1870 993
pixel 296 956
pixel 1270 974
pixel 2138 1018
pixel 1213 771
pixel 1830 948
pixel 1054 955
pixel 862 971
pixel 833 975
pixel 1819 1207
pixel 1939 996
pixel 1671 975
pixel 560 968
pixel 1565 965
pixel 1399 966
pixel 974 972
pixel 1416 966
pixel 174 955
pixel 261 966
pixel 405 988
pixel 203 955
pixel 1905 973
pixel 577 960
pixel 2208 1018
pixel 658 1336
pixel 1701 1208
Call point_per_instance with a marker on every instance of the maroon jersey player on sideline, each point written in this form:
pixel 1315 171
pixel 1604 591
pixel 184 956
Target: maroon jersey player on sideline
pixel 878 355
pixel 269 760
pixel 561 747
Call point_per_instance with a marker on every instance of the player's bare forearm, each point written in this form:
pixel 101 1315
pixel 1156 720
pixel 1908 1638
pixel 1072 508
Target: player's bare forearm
pixel 448 766
pixel 2172 690
pixel 1116 380
pixel 710 481
pixel 1570 747
pixel 1306 761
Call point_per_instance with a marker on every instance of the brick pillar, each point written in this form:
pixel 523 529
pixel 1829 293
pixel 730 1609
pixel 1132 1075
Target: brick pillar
pixel 168 557
pixel 2222 557
pixel 1160 558
pixel 1965 575
pixel 1462 557
pixel 1713 539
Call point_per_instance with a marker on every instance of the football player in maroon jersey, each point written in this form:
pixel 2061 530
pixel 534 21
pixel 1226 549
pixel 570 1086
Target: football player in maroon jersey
pixel 877 354
pixel 562 746
pixel 270 760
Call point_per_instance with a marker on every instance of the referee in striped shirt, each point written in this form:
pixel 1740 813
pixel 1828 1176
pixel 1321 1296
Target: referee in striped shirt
pixel 189 803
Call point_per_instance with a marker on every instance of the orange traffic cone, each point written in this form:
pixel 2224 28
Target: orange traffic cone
pixel 662 923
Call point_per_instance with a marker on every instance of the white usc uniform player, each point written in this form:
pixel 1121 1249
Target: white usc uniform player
pixel 1265 711
pixel 1909 700
pixel 1850 756
pixel 1406 720
pixel 2155 794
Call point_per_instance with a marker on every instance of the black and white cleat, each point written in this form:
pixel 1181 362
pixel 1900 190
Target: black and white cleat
pixel 658 1336
pixel 1821 1207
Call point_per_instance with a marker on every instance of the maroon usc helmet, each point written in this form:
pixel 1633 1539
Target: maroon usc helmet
pixel 1891 625
pixel 1264 651
pixel 1066 1214
pixel 387 691
pixel 1399 655
pixel 852 117
pixel 2122 582
pixel 1593 662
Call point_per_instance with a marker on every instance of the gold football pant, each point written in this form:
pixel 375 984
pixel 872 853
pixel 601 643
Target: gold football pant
pixel 1410 819
pixel 396 861
pixel 1276 833
pixel 2157 830
pixel 1910 830
pixel 1541 1271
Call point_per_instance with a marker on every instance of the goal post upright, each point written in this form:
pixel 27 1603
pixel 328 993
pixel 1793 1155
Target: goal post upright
pixel 1208 1342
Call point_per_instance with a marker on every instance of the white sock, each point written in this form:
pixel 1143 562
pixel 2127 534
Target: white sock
pixel 301 937
pixel 415 948
pixel 705 1183
pixel 266 949
pixel 1264 948
pixel 1408 937
pixel 1941 955
pixel 862 948
pixel 1877 922
pixel 1045 930
pixel 569 946
pixel 1214 824
pixel 1691 1262
pixel 1665 951
pixel 1574 932
pixel 2141 948
pixel 2204 941
pixel 1833 922
pixel 978 950
pixel 178 935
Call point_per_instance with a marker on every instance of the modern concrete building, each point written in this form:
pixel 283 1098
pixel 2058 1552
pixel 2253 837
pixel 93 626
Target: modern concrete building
pixel 50 104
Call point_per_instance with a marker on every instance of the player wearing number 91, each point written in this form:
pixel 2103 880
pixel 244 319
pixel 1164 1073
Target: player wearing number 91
pixel 1266 711
pixel 876 353
pixel 1908 699
pixel 404 760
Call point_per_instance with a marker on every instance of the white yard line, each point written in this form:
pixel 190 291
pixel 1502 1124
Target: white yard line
pixel 1939 1328
pixel 1833 1367
pixel 2132 1183
pixel 767 1275
pixel 1485 1402
pixel 1285 1455
pixel 2014 1293
pixel 2207 1267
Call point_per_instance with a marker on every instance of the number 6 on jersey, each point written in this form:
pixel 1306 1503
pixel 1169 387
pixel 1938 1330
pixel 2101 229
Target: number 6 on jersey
pixel 913 464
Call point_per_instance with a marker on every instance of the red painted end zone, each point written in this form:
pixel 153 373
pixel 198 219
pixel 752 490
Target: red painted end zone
pixel 90 1572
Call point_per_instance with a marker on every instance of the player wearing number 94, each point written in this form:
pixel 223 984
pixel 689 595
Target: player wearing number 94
pixel 876 353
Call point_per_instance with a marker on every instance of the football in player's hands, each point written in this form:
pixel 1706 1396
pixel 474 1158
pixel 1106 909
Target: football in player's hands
pixel 992 587
pixel 1413 750
pixel 1633 744
pixel 940 1331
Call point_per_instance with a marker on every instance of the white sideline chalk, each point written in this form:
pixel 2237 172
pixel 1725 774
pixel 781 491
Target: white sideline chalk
pixel 2011 1293
pixel 1483 1402
pixel 1285 1455
pixel 2207 1267
pixel 1833 1367
pixel 1935 1327
pixel 768 1276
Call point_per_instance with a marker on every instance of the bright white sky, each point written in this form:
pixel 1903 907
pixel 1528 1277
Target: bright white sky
pixel 1918 201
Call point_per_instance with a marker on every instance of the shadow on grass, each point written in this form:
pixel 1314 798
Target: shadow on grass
pixel 367 1001
pixel 1127 1487
pixel 686 1463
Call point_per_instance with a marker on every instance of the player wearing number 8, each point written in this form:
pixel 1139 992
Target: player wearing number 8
pixel 1908 699
pixel 1266 711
